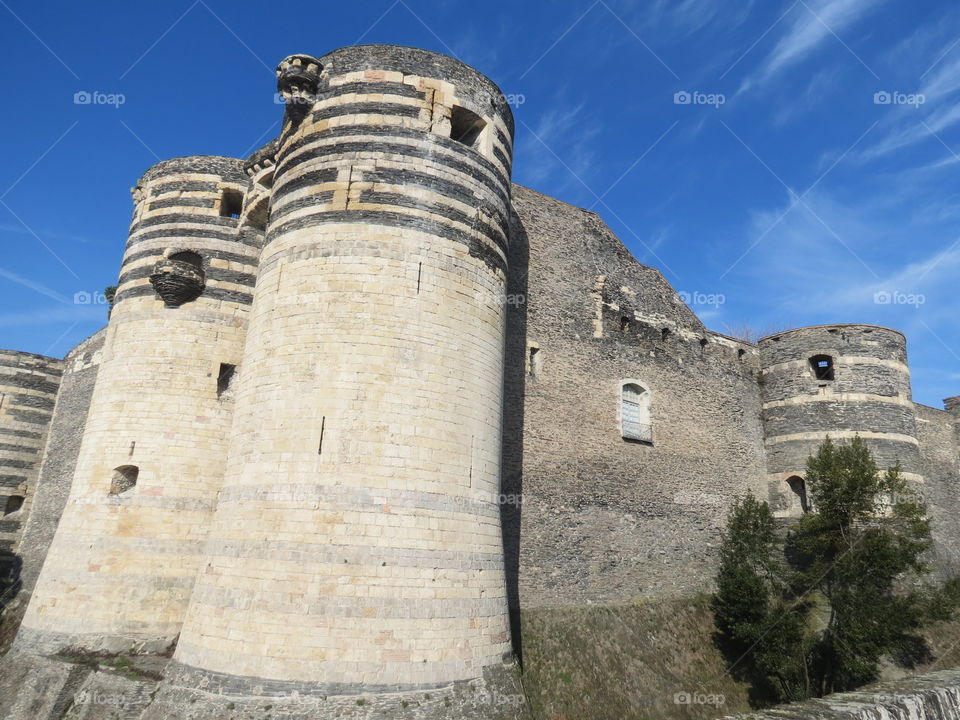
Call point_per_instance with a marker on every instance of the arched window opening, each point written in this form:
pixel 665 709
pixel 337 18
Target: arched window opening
pixel 124 478
pixel 635 413
pixel 799 487
pixel 14 503
pixel 188 257
pixel 466 126
pixel 822 366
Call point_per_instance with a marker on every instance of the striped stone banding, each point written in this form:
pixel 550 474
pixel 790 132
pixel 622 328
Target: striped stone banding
pixel 369 108
pixel 209 292
pixel 199 202
pixel 464 161
pixel 841 434
pixel 13 481
pixel 211 186
pixel 372 88
pixel 313 201
pixel 21 433
pixel 841 398
pixel 803 364
pixel 186 230
pixel 483 251
pixel 208 253
pixel 313 177
pixel 179 218
pixel 212 273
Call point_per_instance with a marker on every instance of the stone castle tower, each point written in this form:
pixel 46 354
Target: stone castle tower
pixel 328 511
pixel 361 400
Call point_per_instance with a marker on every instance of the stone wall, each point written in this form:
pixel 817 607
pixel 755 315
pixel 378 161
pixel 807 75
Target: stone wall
pixel 28 391
pixel 865 392
pixel 940 464
pixel 589 516
pixel 55 472
pixel 355 552
pixel 127 550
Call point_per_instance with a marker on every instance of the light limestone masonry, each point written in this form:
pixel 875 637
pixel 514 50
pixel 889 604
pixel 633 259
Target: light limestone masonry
pixel 121 567
pixel 356 545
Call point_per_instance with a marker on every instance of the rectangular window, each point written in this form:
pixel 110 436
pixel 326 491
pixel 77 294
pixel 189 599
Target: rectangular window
pixel 225 377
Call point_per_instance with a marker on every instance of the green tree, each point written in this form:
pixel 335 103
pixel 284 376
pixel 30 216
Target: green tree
pixel 862 551
pixel 760 627
pixel 852 593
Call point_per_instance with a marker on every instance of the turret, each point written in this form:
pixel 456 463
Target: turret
pixel 838 381
pixel 125 556
pixel 355 557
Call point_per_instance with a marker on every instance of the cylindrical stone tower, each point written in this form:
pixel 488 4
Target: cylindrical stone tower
pixel 28 391
pixel 355 558
pixel 125 556
pixel 836 380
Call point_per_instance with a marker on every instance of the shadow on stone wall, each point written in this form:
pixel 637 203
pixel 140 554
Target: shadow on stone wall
pixel 514 381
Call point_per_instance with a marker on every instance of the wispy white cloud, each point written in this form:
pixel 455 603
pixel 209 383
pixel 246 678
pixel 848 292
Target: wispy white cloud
pixel 35 286
pixel 812 23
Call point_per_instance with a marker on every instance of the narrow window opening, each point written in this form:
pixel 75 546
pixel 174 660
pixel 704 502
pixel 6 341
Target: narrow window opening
pixel 635 414
pixel 664 334
pixel 224 378
pixel 534 360
pixel 466 126
pixel 799 487
pixel 14 503
pixel 624 324
pixel 740 353
pixel 822 366
pixel 124 478
pixel 703 342
pixel 231 203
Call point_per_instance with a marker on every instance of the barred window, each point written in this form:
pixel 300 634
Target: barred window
pixel 635 413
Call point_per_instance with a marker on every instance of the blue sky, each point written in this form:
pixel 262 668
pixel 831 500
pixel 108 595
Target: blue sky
pixel 777 189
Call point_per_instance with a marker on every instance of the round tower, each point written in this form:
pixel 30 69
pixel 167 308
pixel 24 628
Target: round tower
pixel 836 380
pixel 126 553
pixel 355 558
pixel 28 391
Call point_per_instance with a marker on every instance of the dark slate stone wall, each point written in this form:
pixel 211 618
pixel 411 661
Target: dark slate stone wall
pixel 940 489
pixel 55 475
pixel 870 394
pixel 588 516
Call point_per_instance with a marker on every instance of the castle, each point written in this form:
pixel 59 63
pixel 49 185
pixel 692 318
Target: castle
pixel 360 400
